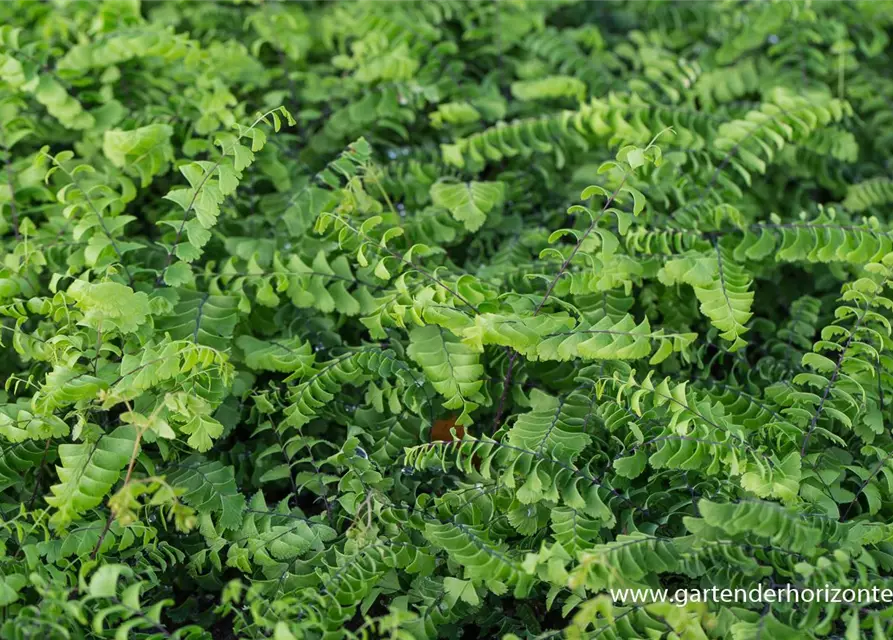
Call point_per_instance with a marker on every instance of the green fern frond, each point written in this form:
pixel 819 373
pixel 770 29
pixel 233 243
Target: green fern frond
pixel 871 193
pixel 451 367
pixel 720 285
pixel 89 470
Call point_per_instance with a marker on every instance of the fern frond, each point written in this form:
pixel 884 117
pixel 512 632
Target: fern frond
pixel 88 472
pixel 210 487
pixel 721 286
pixel 451 367
pixel 868 194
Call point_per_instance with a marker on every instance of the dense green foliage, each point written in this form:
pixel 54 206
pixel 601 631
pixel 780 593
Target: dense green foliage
pixel 420 319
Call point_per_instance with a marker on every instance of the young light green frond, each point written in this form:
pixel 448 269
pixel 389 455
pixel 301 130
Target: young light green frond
pixel 721 286
pixel 88 471
pixel 451 366
pixel 558 337
pixel 625 561
pixel 170 361
pixel 110 305
pixel 468 203
pixel 145 151
pixel 620 340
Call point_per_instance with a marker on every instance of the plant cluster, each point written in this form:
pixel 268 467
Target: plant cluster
pixel 443 319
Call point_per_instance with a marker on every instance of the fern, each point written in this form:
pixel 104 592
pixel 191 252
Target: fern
pixel 88 472
pixel 444 319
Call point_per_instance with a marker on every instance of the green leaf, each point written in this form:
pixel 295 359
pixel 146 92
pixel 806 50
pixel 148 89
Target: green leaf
pixel 468 203
pixel 110 305
pixel 145 151
pixel 104 582
pixel 464 590
pixel 178 274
